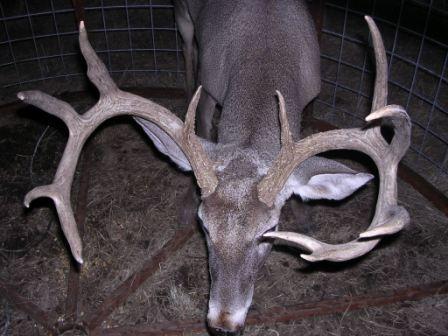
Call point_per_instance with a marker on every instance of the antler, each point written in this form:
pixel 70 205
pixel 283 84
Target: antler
pixel 113 102
pixel 389 217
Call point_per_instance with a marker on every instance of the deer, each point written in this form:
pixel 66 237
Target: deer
pixel 259 60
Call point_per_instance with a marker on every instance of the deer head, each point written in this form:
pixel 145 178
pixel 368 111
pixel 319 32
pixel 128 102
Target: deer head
pixel 242 194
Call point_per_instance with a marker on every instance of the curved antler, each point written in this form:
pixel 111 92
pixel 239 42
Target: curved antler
pixel 389 217
pixel 113 102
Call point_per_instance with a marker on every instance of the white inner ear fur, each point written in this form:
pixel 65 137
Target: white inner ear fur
pixel 164 143
pixel 331 186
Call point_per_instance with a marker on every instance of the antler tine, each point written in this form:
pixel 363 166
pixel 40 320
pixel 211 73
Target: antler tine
pixel 286 137
pixel 59 190
pixel 113 102
pixel 96 70
pixel 389 217
pixel 51 105
pixel 192 148
pixel 190 117
pixel 380 89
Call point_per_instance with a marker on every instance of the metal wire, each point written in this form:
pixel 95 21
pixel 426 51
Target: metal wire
pixel 22 79
pixel 5 321
pixel 153 37
pixel 148 61
pixel 432 140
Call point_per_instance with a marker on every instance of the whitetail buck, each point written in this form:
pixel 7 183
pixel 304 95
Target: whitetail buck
pixel 246 50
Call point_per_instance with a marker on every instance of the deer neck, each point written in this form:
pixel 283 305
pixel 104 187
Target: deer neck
pixel 249 116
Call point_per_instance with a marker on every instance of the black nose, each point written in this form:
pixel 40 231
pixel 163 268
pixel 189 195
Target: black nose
pixel 223 332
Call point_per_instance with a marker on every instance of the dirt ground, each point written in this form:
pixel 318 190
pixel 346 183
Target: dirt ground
pixel 133 199
pixel 138 56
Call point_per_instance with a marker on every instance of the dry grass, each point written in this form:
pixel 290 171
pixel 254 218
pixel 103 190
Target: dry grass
pixel 133 200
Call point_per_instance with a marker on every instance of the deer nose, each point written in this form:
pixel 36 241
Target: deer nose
pixel 224 325
pixel 217 331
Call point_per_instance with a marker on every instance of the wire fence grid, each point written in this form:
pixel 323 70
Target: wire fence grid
pixel 138 41
pixel 416 43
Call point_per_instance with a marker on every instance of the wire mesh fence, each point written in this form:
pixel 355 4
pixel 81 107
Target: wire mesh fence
pixel 416 42
pixel 138 41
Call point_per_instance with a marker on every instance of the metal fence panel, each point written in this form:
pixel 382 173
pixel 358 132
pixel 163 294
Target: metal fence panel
pixel 138 41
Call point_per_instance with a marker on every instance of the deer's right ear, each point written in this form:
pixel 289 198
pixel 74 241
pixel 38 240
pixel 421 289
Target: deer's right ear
pixel 164 143
pixel 168 146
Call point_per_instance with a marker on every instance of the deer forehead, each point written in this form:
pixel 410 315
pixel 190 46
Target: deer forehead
pixel 234 212
pixel 235 203
pixel 236 161
pixel 238 175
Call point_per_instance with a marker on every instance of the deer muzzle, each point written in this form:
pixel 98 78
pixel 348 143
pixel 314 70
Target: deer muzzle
pixel 228 318
pixel 225 322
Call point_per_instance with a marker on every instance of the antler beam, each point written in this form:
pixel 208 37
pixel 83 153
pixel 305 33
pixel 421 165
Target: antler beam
pixel 389 217
pixel 113 102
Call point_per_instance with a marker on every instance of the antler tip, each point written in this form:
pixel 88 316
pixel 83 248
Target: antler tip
pixel 28 199
pixel 21 95
pixel 82 25
pixel 79 259
pixel 75 245
pixel 388 111
pixel 368 234
pixel 308 257
pixel 369 20
pixel 197 93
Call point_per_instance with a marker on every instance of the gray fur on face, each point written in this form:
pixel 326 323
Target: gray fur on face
pixel 241 53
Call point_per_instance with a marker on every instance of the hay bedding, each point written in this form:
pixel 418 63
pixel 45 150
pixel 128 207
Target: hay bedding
pixel 133 200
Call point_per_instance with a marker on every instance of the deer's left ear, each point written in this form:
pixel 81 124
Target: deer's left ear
pixel 332 186
pixel 320 178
